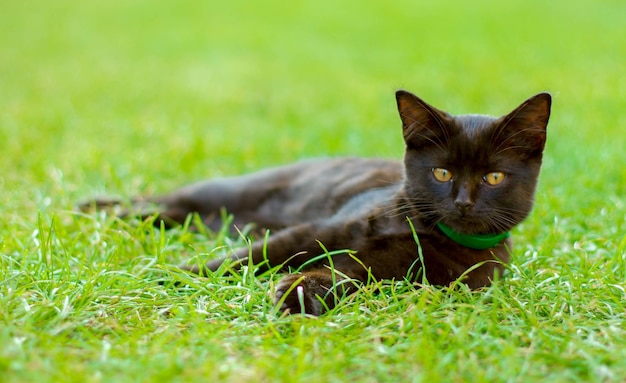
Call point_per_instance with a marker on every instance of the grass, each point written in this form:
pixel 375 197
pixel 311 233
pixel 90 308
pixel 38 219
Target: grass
pixel 135 97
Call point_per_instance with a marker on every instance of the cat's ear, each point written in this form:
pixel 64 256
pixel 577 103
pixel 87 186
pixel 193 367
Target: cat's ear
pixel 421 123
pixel 525 127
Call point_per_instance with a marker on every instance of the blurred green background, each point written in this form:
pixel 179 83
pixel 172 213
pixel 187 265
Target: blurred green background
pixel 207 87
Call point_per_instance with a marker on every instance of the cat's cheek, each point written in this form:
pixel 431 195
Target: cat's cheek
pixel 294 297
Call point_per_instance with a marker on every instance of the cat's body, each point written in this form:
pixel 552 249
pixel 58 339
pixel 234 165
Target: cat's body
pixel 470 176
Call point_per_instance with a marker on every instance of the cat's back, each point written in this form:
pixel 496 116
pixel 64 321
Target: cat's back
pixel 341 179
pixel 346 175
pixel 318 188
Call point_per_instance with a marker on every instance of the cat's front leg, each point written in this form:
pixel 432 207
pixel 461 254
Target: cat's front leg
pixel 312 292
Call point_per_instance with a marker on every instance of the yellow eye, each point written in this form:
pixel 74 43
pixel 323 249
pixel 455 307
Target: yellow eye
pixel 494 178
pixel 442 175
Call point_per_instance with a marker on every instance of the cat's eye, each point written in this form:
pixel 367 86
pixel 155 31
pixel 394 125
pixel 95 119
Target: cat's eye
pixel 442 175
pixel 494 178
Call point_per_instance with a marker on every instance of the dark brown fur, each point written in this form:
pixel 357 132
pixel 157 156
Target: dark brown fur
pixel 365 205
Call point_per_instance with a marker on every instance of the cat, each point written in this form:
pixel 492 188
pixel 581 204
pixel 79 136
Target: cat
pixel 442 214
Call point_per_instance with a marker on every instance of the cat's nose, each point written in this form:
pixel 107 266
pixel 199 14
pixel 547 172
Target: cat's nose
pixel 463 205
pixel 463 201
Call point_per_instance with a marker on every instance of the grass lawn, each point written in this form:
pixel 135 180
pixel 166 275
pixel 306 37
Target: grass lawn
pixel 133 97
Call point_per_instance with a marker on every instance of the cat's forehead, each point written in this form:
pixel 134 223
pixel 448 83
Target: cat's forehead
pixel 472 125
pixel 471 145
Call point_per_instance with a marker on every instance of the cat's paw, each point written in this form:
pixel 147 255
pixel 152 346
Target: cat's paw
pixel 202 270
pixel 140 208
pixel 111 205
pixel 299 293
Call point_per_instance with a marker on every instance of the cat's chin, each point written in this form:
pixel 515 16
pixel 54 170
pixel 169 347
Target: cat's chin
pixel 473 226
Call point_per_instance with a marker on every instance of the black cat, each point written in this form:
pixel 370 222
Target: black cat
pixel 464 183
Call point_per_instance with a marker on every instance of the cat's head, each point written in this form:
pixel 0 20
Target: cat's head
pixel 476 174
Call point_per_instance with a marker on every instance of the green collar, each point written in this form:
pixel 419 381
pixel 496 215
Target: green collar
pixel 473 241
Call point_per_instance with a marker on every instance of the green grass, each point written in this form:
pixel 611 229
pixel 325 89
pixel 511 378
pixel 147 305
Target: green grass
pixel 125 98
